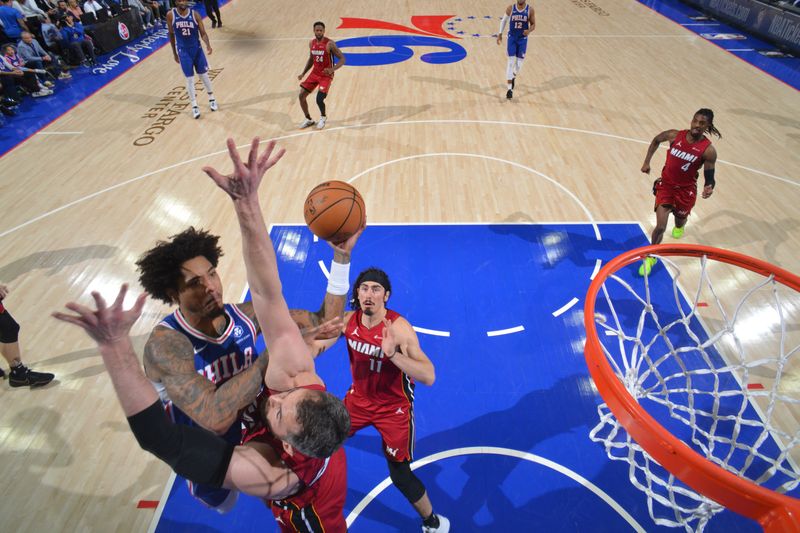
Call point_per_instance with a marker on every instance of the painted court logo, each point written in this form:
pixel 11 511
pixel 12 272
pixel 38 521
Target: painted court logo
pixel 426 32
pixel 123 31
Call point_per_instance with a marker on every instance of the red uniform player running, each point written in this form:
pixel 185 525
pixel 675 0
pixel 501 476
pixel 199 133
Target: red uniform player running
pixel 676 189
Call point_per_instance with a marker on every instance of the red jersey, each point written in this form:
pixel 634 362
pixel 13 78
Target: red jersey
pixel 684 160
pixel 375 377
pixel 324 480
pixel 322 56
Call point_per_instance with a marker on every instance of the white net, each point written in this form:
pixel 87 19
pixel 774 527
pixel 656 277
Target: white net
pixel 718 367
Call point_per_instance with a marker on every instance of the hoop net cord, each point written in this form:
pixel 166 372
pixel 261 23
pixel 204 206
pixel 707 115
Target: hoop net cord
pixel 672 364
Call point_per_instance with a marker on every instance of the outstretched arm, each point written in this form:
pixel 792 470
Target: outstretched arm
pixel 335 298
pixel 668 135
pixel 291 364
pixel 192 452
pixel 110 328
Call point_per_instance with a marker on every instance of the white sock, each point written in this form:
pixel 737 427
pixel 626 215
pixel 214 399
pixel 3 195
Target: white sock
pixel 510 68
pixel 207 83
pixel 190 90
pixel 519 66
pixel 509 86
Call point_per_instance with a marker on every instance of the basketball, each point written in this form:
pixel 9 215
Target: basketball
pixel 334 211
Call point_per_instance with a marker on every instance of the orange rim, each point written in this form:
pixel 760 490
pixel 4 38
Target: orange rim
pixel 775 512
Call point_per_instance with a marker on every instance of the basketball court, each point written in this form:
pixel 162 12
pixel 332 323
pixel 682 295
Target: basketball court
pixel 490 216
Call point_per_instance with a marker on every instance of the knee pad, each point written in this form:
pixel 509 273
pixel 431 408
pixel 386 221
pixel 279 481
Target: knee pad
pixel 9 329
pixel 405 481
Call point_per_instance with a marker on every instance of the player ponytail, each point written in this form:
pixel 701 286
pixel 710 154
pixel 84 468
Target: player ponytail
pixel 710 116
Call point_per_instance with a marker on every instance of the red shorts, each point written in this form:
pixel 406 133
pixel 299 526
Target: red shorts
pixel 395 423
pixel 325 512
pixel 682 199
pixel 315 79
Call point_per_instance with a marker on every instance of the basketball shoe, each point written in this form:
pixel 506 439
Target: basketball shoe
pixel 306 123
pixel 443 527
pixel 647 266
pixel 321 122
pixel 195 112
pixel 509 94
pixel 21 375
pixel 677 232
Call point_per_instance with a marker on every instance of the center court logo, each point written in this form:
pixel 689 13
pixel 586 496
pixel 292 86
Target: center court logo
pixel 426 31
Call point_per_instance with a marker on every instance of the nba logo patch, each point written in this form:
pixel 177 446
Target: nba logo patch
pixel 238 331
pixel 123 31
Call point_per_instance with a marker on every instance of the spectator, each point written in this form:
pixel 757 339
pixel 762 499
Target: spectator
pixel 75 9
pixel 14 79
pixel 61 11
pixel 13 20
pixel 33 15
pixel 10 55
pixel 146 14
pixel 51 34
pixel 76 43
pixel 35 56
pixel 93 7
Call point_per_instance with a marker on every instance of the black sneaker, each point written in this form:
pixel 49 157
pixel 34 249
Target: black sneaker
pixel 2 374
pixel 509 94
pixel 21 375
pixel 213 23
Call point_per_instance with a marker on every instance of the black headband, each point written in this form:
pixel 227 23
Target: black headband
pixel 375 277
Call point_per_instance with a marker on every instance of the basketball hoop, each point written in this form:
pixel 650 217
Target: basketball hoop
pixel 694 369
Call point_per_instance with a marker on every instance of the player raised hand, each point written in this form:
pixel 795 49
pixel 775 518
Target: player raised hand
pixel 105 325
pixel 343 249
pixel 246 177
pixel 394 338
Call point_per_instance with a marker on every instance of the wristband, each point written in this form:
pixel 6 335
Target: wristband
pixel 339 279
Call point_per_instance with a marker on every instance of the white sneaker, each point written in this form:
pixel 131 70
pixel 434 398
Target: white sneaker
pixel 213 104
pixel 41 93
pixel 306 123
pixel 321 123
pixel 444 526
pixel 195 111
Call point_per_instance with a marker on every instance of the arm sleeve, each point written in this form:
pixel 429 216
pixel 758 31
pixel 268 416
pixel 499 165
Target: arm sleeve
pixel 708 175
pixel 192 452
pixel 503 24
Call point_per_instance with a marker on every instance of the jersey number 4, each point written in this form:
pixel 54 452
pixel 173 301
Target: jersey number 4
pixel 685 167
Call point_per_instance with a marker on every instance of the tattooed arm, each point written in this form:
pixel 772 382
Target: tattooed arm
pixel 332 304
pixel 169 358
